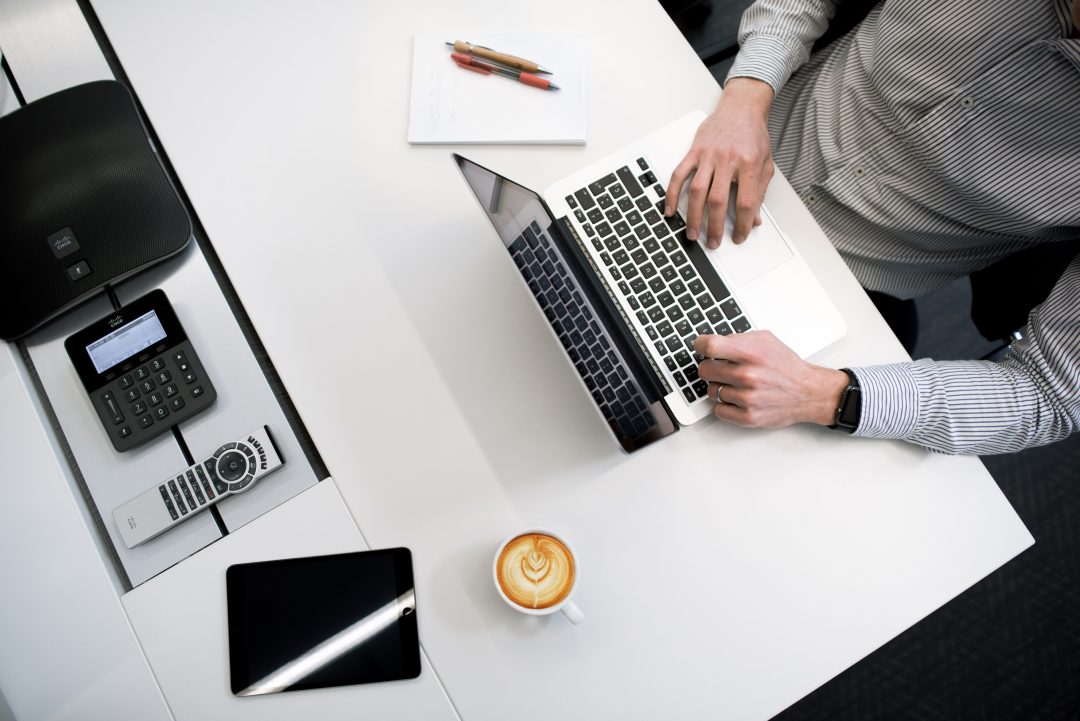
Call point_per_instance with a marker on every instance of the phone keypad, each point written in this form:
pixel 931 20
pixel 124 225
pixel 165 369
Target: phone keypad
pixel 161 388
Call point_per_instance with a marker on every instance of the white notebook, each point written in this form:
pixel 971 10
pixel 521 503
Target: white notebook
pixel 453 105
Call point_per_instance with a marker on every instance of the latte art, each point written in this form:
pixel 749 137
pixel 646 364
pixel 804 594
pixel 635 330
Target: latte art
pixel 535 570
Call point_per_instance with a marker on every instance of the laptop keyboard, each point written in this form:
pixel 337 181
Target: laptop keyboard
pixel 655 268
pixel 584 338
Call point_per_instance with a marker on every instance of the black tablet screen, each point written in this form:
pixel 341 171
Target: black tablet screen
pixel 322 621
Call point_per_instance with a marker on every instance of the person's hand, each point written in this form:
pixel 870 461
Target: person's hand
pixel 763 384
pixel 731 146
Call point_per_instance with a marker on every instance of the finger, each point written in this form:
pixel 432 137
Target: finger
pixel 757 219
pixel 682 172
pixel 718 205
pixel 727 395
pixel 717 371
pixel 729 347
pixel 747 205
pixel 695 207
pixel 731 413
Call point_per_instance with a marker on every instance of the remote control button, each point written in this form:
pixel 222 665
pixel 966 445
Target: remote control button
pixel 147 386
pixel 125 382
pixel 211 470
pixel 205 483
pixel 158 364
pixel 231 466
pixel 181 361
pixel 176 403
pixel 163 377
pixel 196 391
pixel 125 432
pixel 141 373
pixel 190 377
pixel 168 502
pixel 187 493
pixel 132 395
pixel 145 422
pixel 247 450
pixel 195 487
pixel 139 408
pixel 156 399
pixel 171 390
pixel 176 497
pixel 242 483
pixel 161 412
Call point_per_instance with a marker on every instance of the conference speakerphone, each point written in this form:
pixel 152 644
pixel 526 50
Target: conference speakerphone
pixel 233 468
pixel 140 370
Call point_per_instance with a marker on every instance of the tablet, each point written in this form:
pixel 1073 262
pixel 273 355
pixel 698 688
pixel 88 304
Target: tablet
pixel 321 621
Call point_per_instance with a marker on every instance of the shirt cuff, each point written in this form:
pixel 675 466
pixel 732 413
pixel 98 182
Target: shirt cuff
pixel 890 401
pixel 767 58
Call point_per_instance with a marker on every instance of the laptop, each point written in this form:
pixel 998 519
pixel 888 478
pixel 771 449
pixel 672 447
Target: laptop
pixel 626 293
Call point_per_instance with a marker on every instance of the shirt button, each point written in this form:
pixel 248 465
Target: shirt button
pixel 811 198
pixel 967 102
pixel 860 172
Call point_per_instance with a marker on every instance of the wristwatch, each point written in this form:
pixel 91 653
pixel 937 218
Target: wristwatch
pixel 850 410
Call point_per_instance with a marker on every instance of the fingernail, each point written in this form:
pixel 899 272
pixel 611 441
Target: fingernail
pixel 692 233
pixel 738 239
pixel 667 208
pixel 713 244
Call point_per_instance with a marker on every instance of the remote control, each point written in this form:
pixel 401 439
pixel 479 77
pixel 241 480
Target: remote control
pixel 233 468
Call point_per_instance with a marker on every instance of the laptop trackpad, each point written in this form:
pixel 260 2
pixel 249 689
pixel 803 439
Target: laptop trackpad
pixel 757 255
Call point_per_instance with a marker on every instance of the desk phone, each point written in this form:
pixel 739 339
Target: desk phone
pixel 140 371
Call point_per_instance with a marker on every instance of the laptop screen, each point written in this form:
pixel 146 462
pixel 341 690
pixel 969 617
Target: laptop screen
pixel 583 318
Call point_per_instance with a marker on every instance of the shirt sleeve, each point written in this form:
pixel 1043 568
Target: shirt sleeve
pixel 1030 398
pixel 775 37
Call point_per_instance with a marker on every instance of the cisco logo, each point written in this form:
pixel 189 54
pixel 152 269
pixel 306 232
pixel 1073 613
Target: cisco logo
pixel 114 322
pixel 63 243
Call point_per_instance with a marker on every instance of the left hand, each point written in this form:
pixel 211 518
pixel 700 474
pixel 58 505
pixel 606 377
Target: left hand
pixel 765 384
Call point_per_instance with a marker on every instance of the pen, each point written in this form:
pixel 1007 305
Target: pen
pixel 471 63
pixel 510 61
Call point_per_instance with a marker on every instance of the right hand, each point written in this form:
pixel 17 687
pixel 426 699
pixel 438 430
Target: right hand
pixel 731 147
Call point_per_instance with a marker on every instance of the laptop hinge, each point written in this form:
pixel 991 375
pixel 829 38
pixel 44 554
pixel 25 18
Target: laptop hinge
pixel 608 298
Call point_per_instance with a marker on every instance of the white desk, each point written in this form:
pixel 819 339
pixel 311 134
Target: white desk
pixel 723 571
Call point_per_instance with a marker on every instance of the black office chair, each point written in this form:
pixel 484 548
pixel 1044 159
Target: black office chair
pixel 1003 294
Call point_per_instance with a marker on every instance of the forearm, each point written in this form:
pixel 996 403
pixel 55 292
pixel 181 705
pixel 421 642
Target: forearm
pixel 1029 399
pixel 775 38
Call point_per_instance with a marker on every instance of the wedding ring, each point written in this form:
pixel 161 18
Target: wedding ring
pixel 718 398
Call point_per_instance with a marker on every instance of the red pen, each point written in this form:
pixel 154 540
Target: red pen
pixel 470 63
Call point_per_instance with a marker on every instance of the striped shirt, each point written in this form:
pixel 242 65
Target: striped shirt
pixel 929 142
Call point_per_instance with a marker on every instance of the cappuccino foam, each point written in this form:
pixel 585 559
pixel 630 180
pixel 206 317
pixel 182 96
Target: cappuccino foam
pixel 535 570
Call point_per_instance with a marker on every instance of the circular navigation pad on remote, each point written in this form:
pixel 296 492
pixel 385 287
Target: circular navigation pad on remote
pixel 231 466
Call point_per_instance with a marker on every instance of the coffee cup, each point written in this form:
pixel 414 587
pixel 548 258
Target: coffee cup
pixel 535 572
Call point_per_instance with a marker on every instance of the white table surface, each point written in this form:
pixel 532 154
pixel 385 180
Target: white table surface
pixel 722 571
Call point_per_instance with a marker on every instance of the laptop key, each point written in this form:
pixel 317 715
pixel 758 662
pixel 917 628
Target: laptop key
pixel 731 308
pixel 696 316
pixel 624 203
pixel 617 191
pixel 584 198
pixel 589 230
pixel 656 314
pixel 691 373
pixel 701 388
pixel 684 328
pixel 659 190
pixel 598 187
pixel 689 395
pixel 656 284
pixel 687 301
pixel 678 258
pixel 673 343
pixel 621 228
pixel 571 202
pixel 596 215
pixel 668 271
pixel 620 257
pixel 682 358
pixel 741 325
pixel 642 318
pixel 613 215
pixel 648 270
pixel 670 363
pixel 665 299
pixel 647 300
pixel 639 256
pixel 605 201
pixel 637 285
pixel 664 328
pixel 629 181
pixel 674 313
pixel 679 379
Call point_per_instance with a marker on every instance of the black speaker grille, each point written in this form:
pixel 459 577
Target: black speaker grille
pixel 79 160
